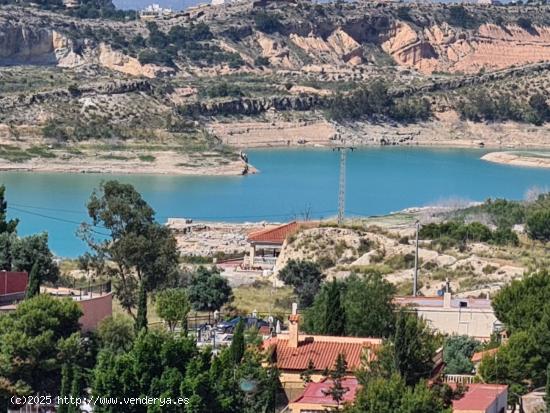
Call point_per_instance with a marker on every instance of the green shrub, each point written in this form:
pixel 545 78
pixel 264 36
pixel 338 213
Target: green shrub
pixel 267 22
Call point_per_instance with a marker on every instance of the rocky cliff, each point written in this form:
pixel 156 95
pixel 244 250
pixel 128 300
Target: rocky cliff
pixel 334 36
pixel 27 44
pixel 446 49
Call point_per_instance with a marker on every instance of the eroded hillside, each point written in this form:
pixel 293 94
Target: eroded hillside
pixel 269 73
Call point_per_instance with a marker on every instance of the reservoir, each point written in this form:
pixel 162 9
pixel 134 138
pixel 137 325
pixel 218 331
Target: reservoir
pixel 291 181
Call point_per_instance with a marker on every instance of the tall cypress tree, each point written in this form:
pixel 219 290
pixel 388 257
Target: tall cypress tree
pixel 65 387
pixel 5 225
pixel 76 389
pixel 34 281
pixel 141 317
pixel 335 317
pixel 237 344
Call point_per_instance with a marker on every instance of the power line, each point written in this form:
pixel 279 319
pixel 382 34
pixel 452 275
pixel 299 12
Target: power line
pixel 67 221
pixel 70 211
pixel 213 217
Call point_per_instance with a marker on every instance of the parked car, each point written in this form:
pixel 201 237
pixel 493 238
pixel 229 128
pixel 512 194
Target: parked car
pixel 249 322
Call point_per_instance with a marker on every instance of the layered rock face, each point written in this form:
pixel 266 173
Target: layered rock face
pixel 444 48
pixel 28 45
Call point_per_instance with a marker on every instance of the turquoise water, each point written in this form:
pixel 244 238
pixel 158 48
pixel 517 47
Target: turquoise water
pixel 379 181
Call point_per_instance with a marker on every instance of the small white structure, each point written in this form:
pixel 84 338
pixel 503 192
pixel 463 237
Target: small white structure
pixel 154 11
pixel 472 317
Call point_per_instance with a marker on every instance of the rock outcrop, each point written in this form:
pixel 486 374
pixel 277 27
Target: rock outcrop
pixel 445 48
pixel 118 61
pixel 252 106
pixel 27 45
pixel 41 46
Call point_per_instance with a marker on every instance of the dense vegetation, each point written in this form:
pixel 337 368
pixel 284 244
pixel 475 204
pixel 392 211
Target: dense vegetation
pixel 534 214
pixel 360 305
pixel 457 354
pixel 88 9
pixel 522 362
pixel 374 99
pixel 481 106
pixel 452 233
pixel 189 42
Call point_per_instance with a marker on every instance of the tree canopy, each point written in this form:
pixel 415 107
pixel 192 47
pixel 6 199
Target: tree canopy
pixel 305 277
pixel 362 304
pixel 138 249
pixel 457 352
pixel 33 338
pixel 172 306
pixel 208 290
pixel 521 362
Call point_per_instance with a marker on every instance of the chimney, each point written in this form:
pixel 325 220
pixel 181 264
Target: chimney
pixel 447 300
pixel 293 327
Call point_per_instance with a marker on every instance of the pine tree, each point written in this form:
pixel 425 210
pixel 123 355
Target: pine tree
pixel 306 374
pixel 141 317
pixel 335 317
pixel 337 390
pixel 65 385
pixel 238 344
pixel 34 282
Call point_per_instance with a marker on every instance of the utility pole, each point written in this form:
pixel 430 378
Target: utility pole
pixel 342 181
pixel 415 280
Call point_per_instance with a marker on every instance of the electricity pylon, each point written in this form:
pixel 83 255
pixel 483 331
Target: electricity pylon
pixel 342 182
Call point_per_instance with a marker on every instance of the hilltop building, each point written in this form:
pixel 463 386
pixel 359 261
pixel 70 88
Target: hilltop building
pixel 292 353
pixel 473 317
pixel 154 11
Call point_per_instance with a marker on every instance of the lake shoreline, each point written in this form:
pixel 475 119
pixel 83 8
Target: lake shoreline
pixel 165 163
pixel 514 158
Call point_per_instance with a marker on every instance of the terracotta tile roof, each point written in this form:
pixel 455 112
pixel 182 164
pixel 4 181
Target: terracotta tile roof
pixel 315 393
pixel 477 357
pixel 322 350
pixel 274 235
pixel 479 397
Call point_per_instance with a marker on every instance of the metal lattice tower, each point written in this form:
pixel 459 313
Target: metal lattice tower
pixel 342 182
pixel 342 186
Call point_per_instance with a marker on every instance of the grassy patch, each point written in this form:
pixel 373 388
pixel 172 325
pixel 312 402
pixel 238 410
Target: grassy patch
pixel 41 152
pixel 147 158
pixel 14 154
pixel 263 297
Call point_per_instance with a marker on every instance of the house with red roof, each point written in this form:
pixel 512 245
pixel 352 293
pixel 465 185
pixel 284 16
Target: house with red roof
pixel 266 244
pixel 483 398
pixel 294 353
pixel 316 398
